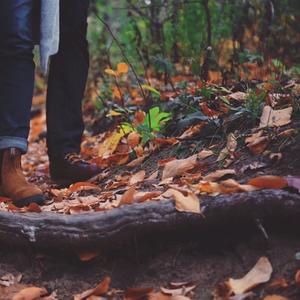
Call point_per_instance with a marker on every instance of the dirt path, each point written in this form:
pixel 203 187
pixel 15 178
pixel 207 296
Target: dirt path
pixel 206 263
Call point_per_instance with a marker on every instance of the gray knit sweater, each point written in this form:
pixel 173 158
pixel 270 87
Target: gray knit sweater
pixel 49 39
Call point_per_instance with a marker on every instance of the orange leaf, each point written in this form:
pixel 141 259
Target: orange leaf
pixel 128 196
pixel 33 207
pixel 277 284
pixel 133 139
pixel 30 293
pixel 269 182
pixel 122 68
pixel 87 256
pixel 79 186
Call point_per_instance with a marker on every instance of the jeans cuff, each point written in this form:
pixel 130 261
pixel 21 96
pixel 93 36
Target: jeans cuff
pixel 13 142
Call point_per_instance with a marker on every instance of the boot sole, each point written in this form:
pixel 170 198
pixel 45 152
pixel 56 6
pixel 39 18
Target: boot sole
pixel 38 199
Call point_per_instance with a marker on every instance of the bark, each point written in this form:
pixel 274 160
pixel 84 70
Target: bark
pixel 115 227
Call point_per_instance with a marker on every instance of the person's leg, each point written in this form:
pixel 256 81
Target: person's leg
pixel 66 85
pixel 67 80
pixel 16 89
pixel 16 71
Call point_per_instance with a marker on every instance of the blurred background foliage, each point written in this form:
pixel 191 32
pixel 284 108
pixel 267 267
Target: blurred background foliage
pixel 213 39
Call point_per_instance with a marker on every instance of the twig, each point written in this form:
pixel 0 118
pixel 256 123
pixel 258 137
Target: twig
pixel 123 54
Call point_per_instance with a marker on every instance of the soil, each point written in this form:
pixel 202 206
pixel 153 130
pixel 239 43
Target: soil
pixel 205 262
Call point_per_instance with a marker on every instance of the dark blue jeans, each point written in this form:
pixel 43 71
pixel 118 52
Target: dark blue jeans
pixel 19 23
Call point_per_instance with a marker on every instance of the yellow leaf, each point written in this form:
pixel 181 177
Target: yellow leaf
pixel 113 113
pixel 111 72
pixel 110 144
pixel 122 68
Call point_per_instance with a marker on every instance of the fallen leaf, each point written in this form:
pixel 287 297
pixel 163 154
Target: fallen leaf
pixel 190 132
pixel 189 203
pixel 297 277
pixel 128 196
pixel 275 118
pixel 204 154
pixel 216 175
pixel 136 162
pixel 287 133
pixel 222 291
pixel 153 176
pixel 161 296
pixel 133 139
pixel 239 96
pixel 245 296
pixel 137 177
pixel 269 182
pixel 275 297
pixel 277 284
pixel 137 293
pixel 88 255
pixel 101 289
pixel 144 196
pixel 179 166
pixel 80 186
pixel 260 273
pixel 110 144
pixel 257 143
pixel 30 293
pixel 182 291
pixel 33 207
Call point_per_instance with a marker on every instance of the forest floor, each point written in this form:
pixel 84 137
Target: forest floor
pixel 210 159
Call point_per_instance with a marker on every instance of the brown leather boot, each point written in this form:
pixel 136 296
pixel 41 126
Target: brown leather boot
pixel 14 184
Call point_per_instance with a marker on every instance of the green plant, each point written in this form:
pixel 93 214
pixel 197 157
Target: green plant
pixel 153 123
pixel 254 103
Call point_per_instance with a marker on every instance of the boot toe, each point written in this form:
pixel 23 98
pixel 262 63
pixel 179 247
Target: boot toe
pixel 38 199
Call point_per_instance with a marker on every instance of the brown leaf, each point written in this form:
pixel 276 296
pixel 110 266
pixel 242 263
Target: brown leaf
pixel 277 284
pixel 88 255
pixel 216 175
pixel 189 203
pixel 161 296
pixel 144 196
pixel 297 277
pixel 137 177
pixel 245 296
pixel 101 289
pixel 133 139
pixel 30 293
pixel 136 162
pixel 269 182
pixel 137 293
pixel 190 132
pixel 222 291
pixel 257 143
pixel 260 273
pixel 128 196
pixel 179 166
pixel 204 154
pixel 275 118
pixel 275 297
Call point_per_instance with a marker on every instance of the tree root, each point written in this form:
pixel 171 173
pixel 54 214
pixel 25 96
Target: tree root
pixel 103 229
